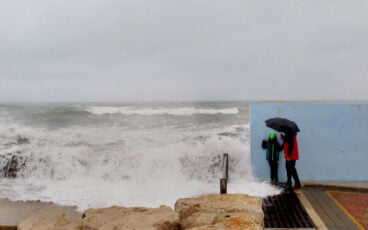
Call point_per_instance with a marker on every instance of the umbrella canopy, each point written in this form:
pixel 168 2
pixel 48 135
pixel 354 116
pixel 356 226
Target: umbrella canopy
pixel 282 125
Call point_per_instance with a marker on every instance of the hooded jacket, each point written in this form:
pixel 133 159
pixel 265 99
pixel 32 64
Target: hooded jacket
pixel 273 149
pixel 291 151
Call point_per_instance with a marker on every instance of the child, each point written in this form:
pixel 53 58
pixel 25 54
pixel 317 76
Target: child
pixel 272 155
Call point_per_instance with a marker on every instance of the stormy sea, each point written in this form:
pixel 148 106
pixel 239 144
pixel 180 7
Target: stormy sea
pixel 129 154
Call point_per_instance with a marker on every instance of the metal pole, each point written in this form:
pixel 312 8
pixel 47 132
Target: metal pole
pixel 223 186
pixel 226 159
pixel 225 174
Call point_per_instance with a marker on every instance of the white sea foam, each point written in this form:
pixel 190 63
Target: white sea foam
pixel 181 111
pixel 97 167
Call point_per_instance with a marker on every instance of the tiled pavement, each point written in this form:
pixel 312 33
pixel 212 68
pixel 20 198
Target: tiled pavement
pixel 354 204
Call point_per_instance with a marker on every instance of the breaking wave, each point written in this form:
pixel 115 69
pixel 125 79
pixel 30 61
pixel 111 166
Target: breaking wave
pixel 182 111
pixel 89 163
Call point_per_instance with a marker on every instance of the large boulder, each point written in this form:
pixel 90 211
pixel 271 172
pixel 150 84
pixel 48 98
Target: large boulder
pixel 227 211
pixel 45 220
pixel 121 218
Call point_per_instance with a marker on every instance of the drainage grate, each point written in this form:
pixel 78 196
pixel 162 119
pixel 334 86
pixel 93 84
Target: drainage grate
pixel 285 211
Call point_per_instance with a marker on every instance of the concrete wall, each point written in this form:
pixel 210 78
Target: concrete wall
pixel 333 140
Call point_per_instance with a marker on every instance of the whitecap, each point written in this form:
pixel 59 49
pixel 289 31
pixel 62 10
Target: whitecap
pixel 181 111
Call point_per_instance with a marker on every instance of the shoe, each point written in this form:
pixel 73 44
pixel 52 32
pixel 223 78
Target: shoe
pixel 288 189
pixel 297 186
pixel 274 182
pixel 288 186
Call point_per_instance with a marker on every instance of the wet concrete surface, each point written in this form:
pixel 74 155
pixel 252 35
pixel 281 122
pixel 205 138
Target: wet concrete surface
pixel 13 212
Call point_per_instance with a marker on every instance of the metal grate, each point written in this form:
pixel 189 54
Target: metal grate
pixel 285 211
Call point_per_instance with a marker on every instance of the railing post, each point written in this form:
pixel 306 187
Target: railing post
pixel 223 186
pixel 225 174
pixel 226 160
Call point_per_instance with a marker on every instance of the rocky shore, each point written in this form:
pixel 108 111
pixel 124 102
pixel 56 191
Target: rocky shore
pixel 210 212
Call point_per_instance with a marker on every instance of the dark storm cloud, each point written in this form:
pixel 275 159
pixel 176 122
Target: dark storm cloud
pixel 183 50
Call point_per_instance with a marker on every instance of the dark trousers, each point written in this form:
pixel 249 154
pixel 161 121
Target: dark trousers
pixel 274 166
pixel 291 172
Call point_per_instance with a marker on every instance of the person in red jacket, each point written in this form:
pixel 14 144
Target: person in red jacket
pixel 291 154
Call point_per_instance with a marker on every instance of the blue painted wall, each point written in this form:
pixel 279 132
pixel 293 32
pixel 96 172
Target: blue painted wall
pixel 333 142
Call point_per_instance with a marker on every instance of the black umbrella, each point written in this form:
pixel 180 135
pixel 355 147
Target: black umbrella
pixel 282 125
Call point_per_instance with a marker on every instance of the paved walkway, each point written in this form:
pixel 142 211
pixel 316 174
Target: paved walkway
pixel 340 205
pixel 330 213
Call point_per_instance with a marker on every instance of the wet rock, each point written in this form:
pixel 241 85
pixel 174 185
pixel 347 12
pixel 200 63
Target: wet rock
pixel 22 140
pixel 13 166
pixel 121 218
pixel 228 211
pixel 47 221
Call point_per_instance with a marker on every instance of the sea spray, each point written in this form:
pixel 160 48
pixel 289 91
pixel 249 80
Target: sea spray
pixel 73 157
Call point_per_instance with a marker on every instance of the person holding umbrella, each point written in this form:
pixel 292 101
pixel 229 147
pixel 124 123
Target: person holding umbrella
pixel 290 145
pixel 273 148
pixel 291 154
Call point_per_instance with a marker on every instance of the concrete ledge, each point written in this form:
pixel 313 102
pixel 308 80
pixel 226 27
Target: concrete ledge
pixel 337 185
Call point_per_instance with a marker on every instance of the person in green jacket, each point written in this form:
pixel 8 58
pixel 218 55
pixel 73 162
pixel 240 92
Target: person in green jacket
pixel 273 149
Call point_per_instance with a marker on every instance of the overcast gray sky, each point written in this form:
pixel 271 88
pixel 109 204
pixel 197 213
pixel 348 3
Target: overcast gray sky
pixel 123 50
